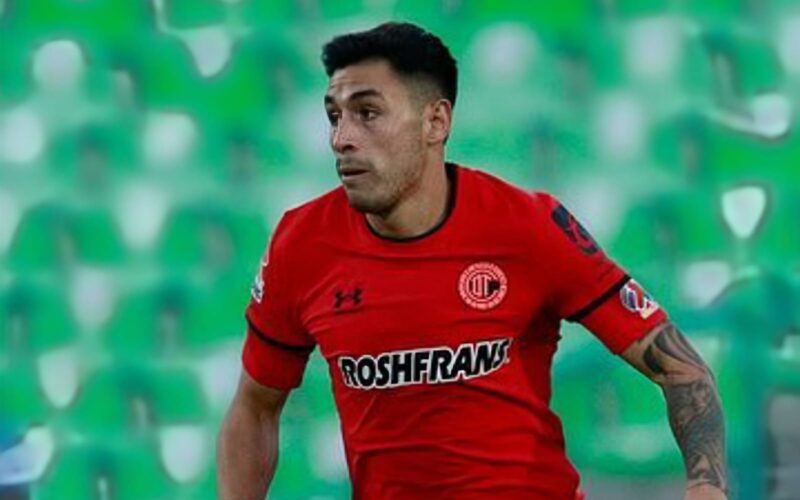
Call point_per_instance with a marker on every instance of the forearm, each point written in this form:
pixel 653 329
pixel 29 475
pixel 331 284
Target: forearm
pixel 695 416
pixel 247 453
pixel 693 405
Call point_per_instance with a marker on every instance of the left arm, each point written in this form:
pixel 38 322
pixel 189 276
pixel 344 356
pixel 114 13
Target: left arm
pixel 693 406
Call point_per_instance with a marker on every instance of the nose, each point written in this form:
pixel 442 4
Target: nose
pixel 343 136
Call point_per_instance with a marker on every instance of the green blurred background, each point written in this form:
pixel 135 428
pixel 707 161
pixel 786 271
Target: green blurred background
pixel 147 148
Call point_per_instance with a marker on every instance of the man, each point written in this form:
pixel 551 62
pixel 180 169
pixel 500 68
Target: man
pixel 435 293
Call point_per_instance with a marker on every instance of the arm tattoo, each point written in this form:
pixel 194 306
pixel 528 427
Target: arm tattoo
pixel 693 405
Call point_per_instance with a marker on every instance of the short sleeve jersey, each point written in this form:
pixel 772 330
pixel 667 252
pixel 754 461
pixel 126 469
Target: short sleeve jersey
pixel 440 347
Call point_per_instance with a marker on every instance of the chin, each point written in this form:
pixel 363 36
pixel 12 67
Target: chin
pixel 365 204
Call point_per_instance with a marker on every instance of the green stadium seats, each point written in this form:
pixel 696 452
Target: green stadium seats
pixel 174 396
pixel 95 156
pixel 606 64
pixel 242 158
pixel 572 19
pixel 209 238
pixel 265 15
pixel 774 246
pixel 172 319
pixel 42 240
pixel 79 472
pixel 734 156
pixel 105 408
pixel 96 470
pixel 606 417
pixel 672 229
pixel 97 238
pixel 697 75
pixel 185 14
pixel 215 314
pixel 35 320
pixel 205 488
pixel 140 474
pixel 632 9
pixel 16 82
pixel 95 22
pixel 146 323
pixel 50 237
pixel 713 12
pixel 247 88
pixel 678 145
pixel 705 152
pixel 745 65
pixel 440 17
pixel 162 71
pixel 134 399
pixel 114 114
pixel 22 402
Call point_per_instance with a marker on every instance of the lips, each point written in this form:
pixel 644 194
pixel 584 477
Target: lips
pixel 350 170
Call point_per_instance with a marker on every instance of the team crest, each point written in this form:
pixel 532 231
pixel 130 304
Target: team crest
pixel 483 285
pixel 636 300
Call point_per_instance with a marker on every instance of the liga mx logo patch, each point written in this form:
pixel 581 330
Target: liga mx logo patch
pixel 483 285
pixel 636 300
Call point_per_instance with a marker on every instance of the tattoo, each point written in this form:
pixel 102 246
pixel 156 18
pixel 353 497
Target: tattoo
pixel 693 405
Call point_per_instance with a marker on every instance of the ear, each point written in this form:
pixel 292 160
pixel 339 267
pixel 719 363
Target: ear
pixel 438 119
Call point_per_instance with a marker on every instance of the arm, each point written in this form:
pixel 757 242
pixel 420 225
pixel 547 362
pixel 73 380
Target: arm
pixel 693 406
pixel 247 447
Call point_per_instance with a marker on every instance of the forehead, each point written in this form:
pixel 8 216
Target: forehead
pixel 365 78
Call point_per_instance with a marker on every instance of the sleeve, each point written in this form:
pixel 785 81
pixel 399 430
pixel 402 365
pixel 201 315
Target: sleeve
pixel 584 285
pixel 276 348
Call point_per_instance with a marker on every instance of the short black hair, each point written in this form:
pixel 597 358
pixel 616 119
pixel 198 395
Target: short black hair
pixel 409 50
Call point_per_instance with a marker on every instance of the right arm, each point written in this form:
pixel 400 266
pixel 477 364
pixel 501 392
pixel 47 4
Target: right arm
pixel 247 447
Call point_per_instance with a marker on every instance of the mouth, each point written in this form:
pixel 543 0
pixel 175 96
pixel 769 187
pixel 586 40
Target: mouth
pixel 351 173
pixel 347 172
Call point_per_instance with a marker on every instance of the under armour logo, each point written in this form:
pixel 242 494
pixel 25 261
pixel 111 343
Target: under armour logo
pixel 341 299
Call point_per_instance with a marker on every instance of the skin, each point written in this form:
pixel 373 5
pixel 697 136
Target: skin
pixel 247 445
pixel 387 134
pixel 693 406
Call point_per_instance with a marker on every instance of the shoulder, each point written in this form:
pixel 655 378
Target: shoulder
pixel 492 191
pixel 307 220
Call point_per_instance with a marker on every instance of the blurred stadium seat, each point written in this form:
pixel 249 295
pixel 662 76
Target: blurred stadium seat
pixel 146 148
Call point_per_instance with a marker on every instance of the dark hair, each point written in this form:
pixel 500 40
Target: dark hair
pixel 409 49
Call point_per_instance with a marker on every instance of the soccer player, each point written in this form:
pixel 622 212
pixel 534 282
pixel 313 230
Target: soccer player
pixel 435 293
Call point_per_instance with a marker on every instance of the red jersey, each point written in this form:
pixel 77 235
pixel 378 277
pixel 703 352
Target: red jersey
pixel 440 347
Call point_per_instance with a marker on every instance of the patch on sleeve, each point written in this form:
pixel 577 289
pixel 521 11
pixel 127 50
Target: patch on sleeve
pixel 574 230
pixel 636 300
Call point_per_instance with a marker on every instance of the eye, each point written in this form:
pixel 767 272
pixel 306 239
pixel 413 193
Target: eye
pixel 333 117
pixel 368 114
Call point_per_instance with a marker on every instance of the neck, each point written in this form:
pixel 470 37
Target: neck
pixel 420 211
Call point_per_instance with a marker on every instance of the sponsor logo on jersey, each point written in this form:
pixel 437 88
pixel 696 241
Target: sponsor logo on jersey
pixel 483 285
pixel 574 230
pixel 347 299
pixel 257 288
pixel 636 300
pixel 435 365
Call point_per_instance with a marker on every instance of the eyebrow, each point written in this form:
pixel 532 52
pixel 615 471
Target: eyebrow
pixel 361 94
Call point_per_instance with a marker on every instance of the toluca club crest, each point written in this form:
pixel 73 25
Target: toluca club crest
pixel 483 285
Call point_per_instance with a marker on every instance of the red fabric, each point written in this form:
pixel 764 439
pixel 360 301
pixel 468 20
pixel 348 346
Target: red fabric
pixel 440 348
